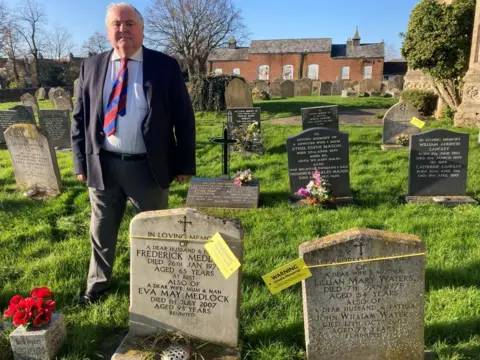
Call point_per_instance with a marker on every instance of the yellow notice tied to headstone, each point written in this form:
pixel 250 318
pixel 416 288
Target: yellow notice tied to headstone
pixel 417 122
pixel 222 256
pixel 287 275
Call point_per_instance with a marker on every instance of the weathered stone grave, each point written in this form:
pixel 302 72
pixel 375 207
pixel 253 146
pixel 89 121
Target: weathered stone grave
pixel 237 94
pixel 29 100
pixel 40 94
pixel 7 118
pixel 287 89
pixel 320 116
pixel 365 309
pixel 303 87
pixel 76 88
pixel 175 286
pixel 337 87
pixel 275 88
pixel 33 158
pixel 438 168
pixel 396 122
pixel 368 85
pixel 50 96
pixel 24 114
pixel 57 123
pixel 261 85
pixel 348 93
pixel 325 150
pixel 325 88
pixel 62 100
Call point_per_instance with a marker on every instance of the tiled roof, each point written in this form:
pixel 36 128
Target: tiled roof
pixel 290 46
pixel 361 51
pixel 227 54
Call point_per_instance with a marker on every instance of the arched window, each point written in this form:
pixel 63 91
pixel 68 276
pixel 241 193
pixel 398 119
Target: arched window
pixel 345 73
pixel 287 72
pixel 218 71
pixel 236 71
pixel 312 71
pixel 367 72
pixel 263 72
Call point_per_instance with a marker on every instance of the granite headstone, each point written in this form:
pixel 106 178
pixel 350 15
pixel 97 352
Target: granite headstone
pixel 25 114
pixel 57 123
pixel 397 121
pixel 320 116
pixel 243 117
pixel 7 118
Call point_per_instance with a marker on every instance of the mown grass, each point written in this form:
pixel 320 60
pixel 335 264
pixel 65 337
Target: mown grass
pixel 46 243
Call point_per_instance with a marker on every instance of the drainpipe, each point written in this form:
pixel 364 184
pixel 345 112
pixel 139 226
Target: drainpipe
pixel 302 62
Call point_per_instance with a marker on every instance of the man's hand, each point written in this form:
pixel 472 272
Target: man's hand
pixel 182 178
pixel 82 177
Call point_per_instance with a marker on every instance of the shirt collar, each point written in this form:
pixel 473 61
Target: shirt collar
pixel 137 56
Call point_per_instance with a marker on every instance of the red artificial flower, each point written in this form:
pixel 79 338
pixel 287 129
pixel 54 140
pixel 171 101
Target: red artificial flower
pixel 27 304
pixel 10 310
pixel 50 305
pixel 41 292
pixel 43 317
pixel 15 300
pixel 21 317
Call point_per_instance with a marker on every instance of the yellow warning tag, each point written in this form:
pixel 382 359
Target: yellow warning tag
pixel 222 256
pixel 417 122
pixel 287 275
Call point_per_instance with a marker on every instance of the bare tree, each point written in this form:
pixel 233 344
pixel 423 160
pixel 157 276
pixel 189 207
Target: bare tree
pixel 60 43
pixel 192 28
pixel 3 24
pixel 96 44
pixel 391 52
pixel 13 48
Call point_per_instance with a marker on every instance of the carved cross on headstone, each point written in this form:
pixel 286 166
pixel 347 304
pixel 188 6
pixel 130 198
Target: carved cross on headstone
pixel 225 141
pixel 184 222
pixel 361 248
pixel 403 107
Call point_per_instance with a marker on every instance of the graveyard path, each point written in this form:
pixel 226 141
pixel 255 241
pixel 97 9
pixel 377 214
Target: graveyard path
pixel 347 116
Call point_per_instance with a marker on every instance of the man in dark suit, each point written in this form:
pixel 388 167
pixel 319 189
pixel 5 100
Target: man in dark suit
pixel 133 132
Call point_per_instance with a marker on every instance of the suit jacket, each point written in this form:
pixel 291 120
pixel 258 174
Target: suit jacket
pixel 168 128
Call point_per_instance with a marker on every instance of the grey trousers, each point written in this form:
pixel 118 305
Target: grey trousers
pixel 123 180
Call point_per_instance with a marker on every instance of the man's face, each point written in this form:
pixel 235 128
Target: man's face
pixel 125 33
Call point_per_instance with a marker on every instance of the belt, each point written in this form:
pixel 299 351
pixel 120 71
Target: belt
pixel 126 157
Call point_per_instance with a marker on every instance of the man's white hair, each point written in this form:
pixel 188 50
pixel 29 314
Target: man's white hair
pixel 120 5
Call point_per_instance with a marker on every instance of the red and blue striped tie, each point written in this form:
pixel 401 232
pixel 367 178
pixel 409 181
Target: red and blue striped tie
pixel 117 101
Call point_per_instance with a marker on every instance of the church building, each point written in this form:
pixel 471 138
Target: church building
pixel 316 59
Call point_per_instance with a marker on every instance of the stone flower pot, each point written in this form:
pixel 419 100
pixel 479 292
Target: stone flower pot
pixel 39 343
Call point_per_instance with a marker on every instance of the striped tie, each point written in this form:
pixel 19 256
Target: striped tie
pixel 117 101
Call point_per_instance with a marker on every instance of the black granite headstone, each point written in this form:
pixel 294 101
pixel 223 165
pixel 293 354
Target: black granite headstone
pixel 57 125
pixel 438 164
pixel 325 150
pixel 24 114
pixel 222 193
pixel 7 118
pixel 320 116
pixel 243 117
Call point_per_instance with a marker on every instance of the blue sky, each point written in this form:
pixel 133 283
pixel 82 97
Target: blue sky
pixel 266 19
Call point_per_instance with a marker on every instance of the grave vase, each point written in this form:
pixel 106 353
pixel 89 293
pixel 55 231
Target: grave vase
pixel 42 343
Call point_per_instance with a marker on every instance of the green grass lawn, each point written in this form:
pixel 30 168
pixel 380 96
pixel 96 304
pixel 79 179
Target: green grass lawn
pixel 46 243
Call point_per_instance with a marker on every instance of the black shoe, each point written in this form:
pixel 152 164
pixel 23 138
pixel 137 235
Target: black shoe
pixel 88 298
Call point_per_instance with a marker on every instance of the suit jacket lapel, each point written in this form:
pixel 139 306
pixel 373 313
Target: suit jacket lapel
pixel 101 74
pixel 147 76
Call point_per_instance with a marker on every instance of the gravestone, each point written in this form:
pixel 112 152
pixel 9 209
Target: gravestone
pixel 24 114
pixel 320 116
pixel 261 85
pixel 275 88
pixel 76 88
pixel 348 93
pixel 325 150
pixel 40 94
pixel 7 118
pixel 397 121
pixel 237 94
pixel 243 117
pixel 57 123
pixel 63 103
pixel 368 85
pixel 175 285
pixel 33 158
pixel 325 88
pixel 364 310
pixel 29 100
pixel 337 87
pixel 287 89
pixel 438 168
pixel 50 96
pixel 305 87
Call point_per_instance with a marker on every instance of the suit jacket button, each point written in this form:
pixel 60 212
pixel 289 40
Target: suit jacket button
pixel 102 133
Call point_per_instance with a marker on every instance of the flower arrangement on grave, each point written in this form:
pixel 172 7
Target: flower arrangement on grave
pixel 248 138
pixel 243 178
pixel 402 139
pixel 317 191
pixel 35 310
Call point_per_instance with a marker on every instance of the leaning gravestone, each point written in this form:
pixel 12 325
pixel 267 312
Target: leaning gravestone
pixel 287 89
pixel 40 94
pixel 25 114
pixel 7 118
pixel 29 100
pixel 175 285
pixel 364 309
pixel 320 116
pixel 237 94
pixel 33 157
pixel 396 122
pixel 325 88
pixel 325 150
pixel 50 96
pixel 63 103
pixel 438 168
pixel 57 124
pixel 76 88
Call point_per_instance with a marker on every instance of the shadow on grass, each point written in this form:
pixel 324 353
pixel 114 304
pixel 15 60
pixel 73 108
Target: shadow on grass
pixel 279 149
pixel 467 276
pixel 452 332
pixel 288 336
pixel 273 198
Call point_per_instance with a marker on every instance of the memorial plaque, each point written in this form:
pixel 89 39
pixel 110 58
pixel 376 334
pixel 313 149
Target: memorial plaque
pixel 320 116
pixel 325 150
pixel 57 124
pixel 7 118
pixel 25 114
pixel 174 284
pixel 364 310
pixel 397 121
pixel 243 117
pixel 438 164
pixel 33 157
pixel 222 193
